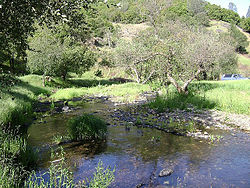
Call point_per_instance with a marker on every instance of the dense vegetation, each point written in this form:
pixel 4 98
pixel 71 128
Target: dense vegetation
pixel 55 42
pixel 86 127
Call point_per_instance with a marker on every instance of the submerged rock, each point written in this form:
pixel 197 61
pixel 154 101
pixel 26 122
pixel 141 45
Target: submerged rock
pixel 165 172
pixel 65 109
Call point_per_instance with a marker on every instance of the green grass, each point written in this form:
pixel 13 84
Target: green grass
pixel 228 96
pixel 58 175
pixel 86 127
pixel 244 60
pixel 122 92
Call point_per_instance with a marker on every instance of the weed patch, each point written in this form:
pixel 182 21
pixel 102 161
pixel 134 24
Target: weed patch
pixel 87 127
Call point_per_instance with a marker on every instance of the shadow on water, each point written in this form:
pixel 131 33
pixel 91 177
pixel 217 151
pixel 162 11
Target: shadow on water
pixel 140 154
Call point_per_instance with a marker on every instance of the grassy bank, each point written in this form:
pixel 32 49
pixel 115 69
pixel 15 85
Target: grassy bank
pixel 17 96
pixel 228 96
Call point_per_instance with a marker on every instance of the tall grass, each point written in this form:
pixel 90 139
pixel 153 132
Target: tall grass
pixel 86 127
pixel 228 96
pixel 59 176
pixel 15 158
pixel 123 92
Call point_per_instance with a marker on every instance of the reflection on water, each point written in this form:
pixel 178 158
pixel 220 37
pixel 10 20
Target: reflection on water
pixel 139 154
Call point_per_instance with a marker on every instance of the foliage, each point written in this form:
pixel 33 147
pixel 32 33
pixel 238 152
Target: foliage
pixel 86 127
pixel 7 80
pixel 58 175
pixel 223 96
pixel 245 24
pixel 215 12
pixel 241 41
pixel 16 23
pixel 122 12
pixel 16 157
pixel 102 177
pixel 177 56
pixel 182 127
pixel 56 56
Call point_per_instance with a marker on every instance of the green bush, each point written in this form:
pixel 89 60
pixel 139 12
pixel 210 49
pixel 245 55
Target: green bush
pixel 58 175
pixel 15 158
pixel 215 12
pixel 54 54
pixel 245 24
pixel 86 127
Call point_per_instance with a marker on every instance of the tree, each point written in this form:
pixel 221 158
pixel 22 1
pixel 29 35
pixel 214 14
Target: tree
pixel 56 56
pixel 16 24
pixel 196 6
pixel 232 6
pixel 154 8
pixel 18 17
pixel 248 13
pixel 197 9
pixel 179 53
pixel 215 12
pixel 245 24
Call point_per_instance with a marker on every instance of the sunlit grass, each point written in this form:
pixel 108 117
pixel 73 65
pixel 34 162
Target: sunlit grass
pixel 228 96
pixel 122 92
pixel 244 60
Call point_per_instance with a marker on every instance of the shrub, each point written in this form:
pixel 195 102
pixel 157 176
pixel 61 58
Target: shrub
pixel 58 175
pixel 245 24
pixel 86 127
pixel 15 158
pixel 53 55
pixel 215 12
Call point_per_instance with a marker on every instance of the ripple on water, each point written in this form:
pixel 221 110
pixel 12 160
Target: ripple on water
pixel 139 155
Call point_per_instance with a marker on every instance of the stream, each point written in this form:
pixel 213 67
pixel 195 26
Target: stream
pixel 141 154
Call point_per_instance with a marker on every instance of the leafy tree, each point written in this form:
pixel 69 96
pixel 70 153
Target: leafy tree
pixel 179 54
pixel 18 17
pixel 215 12
pixel 245 24
pixel 232 6
pixel 197 9
pixel 54 56
pixel 196 6
pixel 16 23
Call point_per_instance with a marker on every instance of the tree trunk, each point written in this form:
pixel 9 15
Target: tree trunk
pixel 12 62
pixel 184 88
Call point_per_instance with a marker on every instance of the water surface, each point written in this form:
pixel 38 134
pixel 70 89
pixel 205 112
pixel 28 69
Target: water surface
pixel 139 154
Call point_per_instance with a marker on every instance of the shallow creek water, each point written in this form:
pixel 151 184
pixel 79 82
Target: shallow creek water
pixel 139 158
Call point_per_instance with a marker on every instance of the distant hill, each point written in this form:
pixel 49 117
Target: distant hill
pixel 244 60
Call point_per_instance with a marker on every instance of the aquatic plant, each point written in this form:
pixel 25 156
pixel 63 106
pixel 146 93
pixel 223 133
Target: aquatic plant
pixel 102 177
pixel 86 127
pixel 182 127
pixel 215 138
pixel 58 176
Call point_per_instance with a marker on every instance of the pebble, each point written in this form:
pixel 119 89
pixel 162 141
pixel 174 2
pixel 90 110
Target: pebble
pixel 165 172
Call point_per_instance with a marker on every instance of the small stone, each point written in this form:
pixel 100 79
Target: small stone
pixel 166 183
pixel 165 172
pixel 65 109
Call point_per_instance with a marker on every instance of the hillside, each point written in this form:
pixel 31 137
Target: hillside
pixel 244 60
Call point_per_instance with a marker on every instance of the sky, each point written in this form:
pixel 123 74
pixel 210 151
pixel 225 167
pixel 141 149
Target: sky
pixel 242 5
